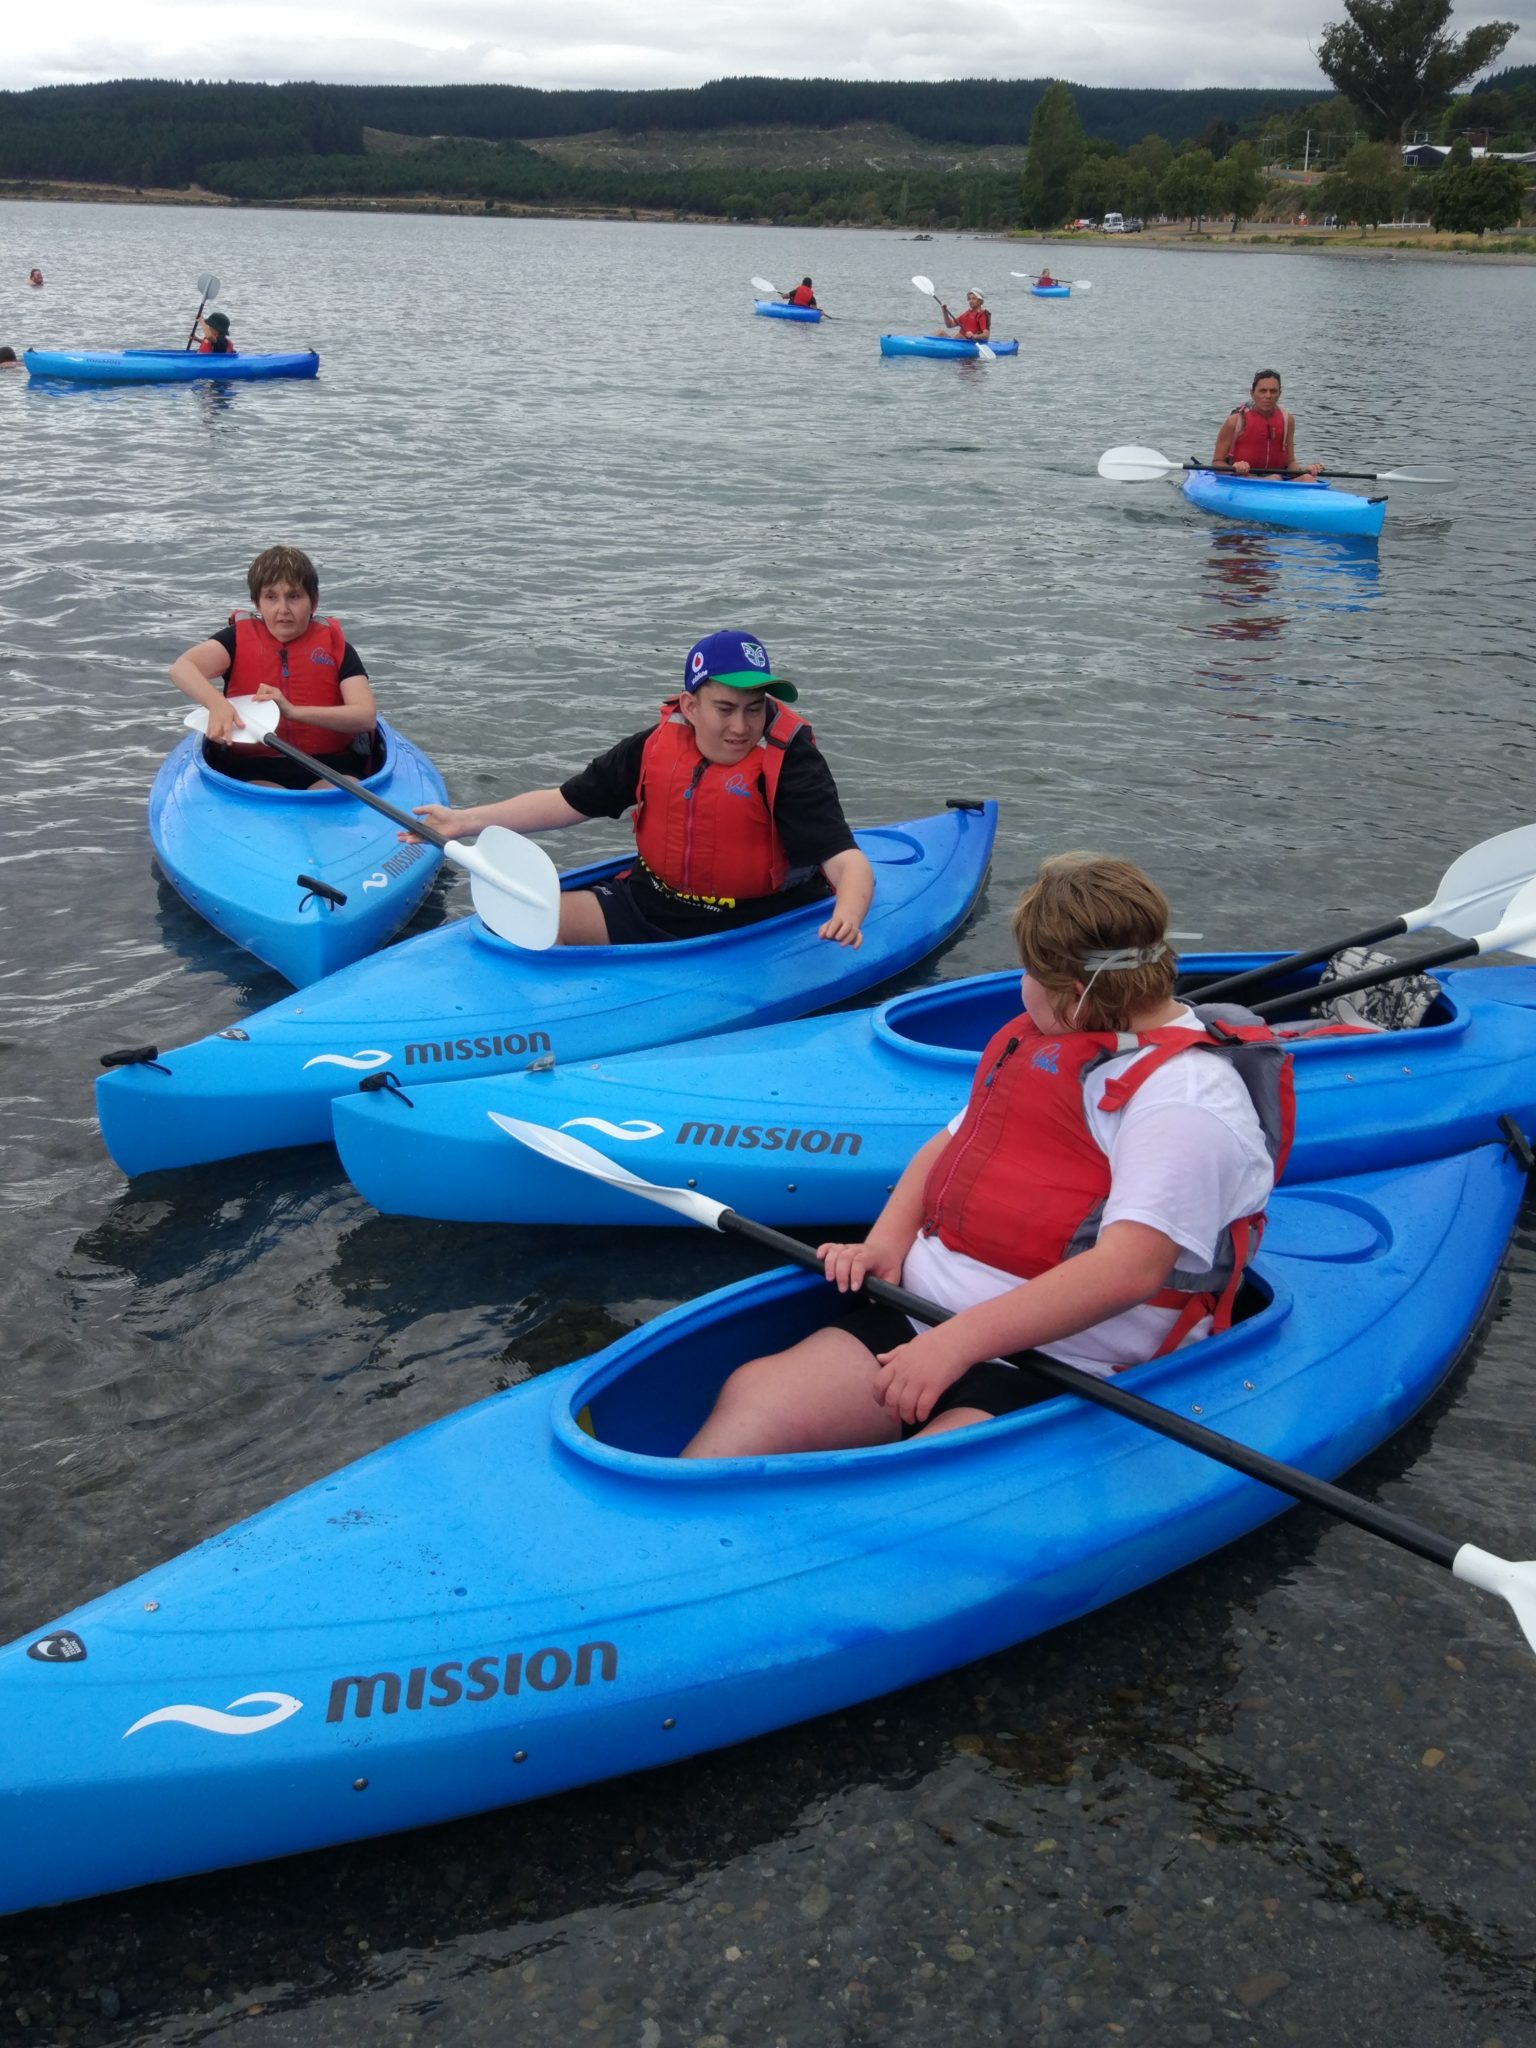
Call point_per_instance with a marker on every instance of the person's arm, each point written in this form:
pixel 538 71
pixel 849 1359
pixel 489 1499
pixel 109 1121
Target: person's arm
pixel 853 881
pixel 196 674
pixel 1222 459
pixel 356 712
pixel 1128 1265
pixel 536 810
pixel 883 1252
pixel 949 318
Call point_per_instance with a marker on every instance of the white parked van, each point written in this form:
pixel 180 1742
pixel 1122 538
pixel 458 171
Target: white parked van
pixel 1114 223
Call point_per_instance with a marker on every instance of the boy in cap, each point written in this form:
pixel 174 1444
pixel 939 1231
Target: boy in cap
pixel 735 812
pixel 974 324
pixel 215 332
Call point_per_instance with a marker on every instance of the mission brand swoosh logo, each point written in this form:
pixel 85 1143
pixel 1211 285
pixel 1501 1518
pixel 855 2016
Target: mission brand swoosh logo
pixel 362 1062
pixel 635 1132
pixel 282 1707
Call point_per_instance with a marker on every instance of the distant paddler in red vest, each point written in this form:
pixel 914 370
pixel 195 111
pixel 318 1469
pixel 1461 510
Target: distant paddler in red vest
pixel 802 295
pixel 735 813
pixel 1260 436
pixel 282 653
pixel 1096 1201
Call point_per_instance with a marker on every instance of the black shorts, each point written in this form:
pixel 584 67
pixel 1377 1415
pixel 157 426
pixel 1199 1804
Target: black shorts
pixel 992 1386
pixel 638 912
pixel 243 764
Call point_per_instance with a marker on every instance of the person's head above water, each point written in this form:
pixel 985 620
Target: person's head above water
pixel 219 322
pixel 35 277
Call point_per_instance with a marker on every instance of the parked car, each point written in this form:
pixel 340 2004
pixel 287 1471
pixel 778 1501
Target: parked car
pixel 1135 225
pixel 1114 223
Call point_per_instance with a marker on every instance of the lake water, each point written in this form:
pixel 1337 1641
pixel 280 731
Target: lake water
pixel 541 458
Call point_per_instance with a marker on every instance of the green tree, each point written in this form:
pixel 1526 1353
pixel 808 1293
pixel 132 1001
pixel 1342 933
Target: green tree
pixel 1485 113
pixel 1396 59
pixel 1473 197
pixel 1096 187
pixel 1187 186
pixel 1370 186
pixel 1055 151
pixel 1239 184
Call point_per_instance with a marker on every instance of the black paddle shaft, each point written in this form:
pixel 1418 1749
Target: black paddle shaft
pixel 1254 977
pixel 353 787
pixel 1373 977
pixel 1225 1450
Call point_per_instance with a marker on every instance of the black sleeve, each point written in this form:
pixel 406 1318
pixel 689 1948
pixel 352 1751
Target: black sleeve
pixel 607 786
pixel 351 665
pixel 226 640
pixel 808 812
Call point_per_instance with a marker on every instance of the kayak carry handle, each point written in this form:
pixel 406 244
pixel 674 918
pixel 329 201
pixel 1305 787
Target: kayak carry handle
pixel 315 887
pixel 136 1056
pixel 965 803
pixel 388 1082
pixel 1515 1141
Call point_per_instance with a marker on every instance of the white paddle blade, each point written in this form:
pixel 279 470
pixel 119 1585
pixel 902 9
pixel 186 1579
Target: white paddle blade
pixel 256 721
pixel 925 284
pixel 988 355
pixel 514 885
pixel 583 1158
pixel 1515 931
pixel 1028 275
pixel 1135 465
pixel 1479 884
pixel 208 288
pixel 1081 284
pixel 1514 1582
pixel 1410 476
pixel 761 284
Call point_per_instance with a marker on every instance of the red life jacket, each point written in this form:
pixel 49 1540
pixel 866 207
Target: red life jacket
pixel 1022 1184
pixel 217 348
pixel 704 830
pixel 1260 440
pixel 306 670
pixel 802 295
pixel 976 326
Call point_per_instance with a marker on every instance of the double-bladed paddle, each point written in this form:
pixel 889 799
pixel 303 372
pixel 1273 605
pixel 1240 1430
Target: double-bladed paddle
pixel 209 287
pixel 1145 465
pixel 514 884
pixel 761 284
pixel 1512 1581
pixel 1477 885
pixel 925 284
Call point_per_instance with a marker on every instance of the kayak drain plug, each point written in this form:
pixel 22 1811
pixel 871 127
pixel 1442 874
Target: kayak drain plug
pixel 315 887
pixel 136 1056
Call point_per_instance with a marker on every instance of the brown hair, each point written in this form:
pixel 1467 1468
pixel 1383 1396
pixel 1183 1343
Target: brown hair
pixel 1081 903
pixel 283 565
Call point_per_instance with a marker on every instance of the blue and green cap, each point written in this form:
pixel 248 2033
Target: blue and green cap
pixel 739 661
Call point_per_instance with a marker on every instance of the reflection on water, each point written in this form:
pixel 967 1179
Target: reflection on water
pixel 1258 587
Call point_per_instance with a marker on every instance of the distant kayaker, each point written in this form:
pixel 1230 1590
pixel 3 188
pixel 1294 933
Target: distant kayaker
pixel 35 278
pixel 1046 279
pixel 1091 1203
pixel 735 813
pixel 974 324
pixel 282 654
pixel 214 329
pixel 9 360
pixel 802 295
pixel 1260 436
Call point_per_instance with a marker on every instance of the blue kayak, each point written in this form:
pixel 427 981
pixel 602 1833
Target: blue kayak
pixel 164 366
pixel 1051 291
pixel 941 346
pixel 501 1606
pixel 1309 507
pixel 246 857
pixel 812 1122
pixel 775 309
pixel 460 1000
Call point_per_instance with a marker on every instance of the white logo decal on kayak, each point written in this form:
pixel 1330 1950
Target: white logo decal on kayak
pixel 377 880
pixel 282 1707
pixel 635 1132
pixel 362 1062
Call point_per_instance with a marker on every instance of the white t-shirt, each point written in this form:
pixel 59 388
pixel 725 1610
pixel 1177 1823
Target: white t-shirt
pixel 1186 1156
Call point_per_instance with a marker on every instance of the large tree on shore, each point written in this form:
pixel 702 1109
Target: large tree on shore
pixel 1055 151
pixel 1396 60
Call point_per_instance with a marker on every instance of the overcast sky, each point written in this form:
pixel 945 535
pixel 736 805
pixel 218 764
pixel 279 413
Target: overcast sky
pixel 636 43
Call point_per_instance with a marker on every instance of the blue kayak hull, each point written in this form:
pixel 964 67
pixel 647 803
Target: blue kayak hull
pixel 1316 507
pixel 1050 291
pixel 812 1122
pixel 236 853
pixel 164 366
pixel 501 1606
pixel 940 346
pixel 460 1000
pixel 775 309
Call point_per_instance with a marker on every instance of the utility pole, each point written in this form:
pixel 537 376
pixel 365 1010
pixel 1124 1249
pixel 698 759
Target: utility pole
pixel 1306 154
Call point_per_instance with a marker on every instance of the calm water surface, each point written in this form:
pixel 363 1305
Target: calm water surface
pixel 541 458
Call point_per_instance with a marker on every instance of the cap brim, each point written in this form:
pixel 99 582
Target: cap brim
pixel 754 679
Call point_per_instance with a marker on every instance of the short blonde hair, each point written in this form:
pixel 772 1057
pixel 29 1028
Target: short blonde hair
pixel 1081 903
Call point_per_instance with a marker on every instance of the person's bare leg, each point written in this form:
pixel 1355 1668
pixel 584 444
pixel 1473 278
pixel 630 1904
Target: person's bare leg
pixel 817 1396
pixel 581 919
pixel 955 1418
